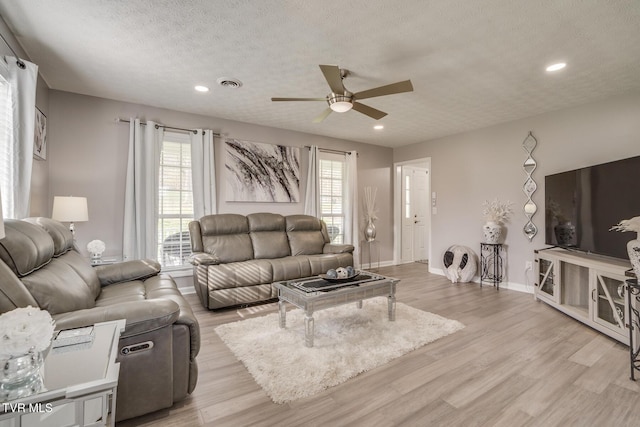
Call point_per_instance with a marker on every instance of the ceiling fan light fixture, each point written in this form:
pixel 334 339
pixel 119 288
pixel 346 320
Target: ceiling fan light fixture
pixel 340 103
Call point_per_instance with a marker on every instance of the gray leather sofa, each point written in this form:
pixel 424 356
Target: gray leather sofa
pixel 40 267
pixel 236 258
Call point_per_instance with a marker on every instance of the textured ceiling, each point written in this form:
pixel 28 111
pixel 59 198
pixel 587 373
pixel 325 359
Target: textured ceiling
pixel 472 63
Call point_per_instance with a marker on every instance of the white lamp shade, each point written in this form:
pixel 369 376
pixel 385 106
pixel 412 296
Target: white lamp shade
pixel 70 209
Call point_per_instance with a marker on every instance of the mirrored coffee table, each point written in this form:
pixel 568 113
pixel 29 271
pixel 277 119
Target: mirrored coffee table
pixel 314 293
pixel 80 384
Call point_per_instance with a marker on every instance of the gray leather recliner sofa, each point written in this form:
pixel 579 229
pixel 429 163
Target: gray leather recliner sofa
pixel 236 258
pixel 40 267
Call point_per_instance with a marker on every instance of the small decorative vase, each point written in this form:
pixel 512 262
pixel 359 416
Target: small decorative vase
pixel 370 231
pixel 492 232
pixel 633 249
pixel 565 233
pixel 20 376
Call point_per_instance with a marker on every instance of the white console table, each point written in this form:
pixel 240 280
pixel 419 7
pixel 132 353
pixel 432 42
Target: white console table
pixel 80 385
pixel 589 288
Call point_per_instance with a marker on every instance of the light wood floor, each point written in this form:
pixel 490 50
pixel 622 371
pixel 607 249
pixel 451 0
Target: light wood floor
pixel 518 362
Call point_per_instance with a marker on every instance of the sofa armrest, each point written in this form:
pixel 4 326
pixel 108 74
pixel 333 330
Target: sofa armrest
pixel 203 258
pixel 142 316
pixel 337 249
pixel 127 270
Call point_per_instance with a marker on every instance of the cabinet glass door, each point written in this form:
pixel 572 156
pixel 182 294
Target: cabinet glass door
pixel 609 302
pixel 547 279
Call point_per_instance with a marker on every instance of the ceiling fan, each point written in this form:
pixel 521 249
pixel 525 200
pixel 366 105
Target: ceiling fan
pixel 341 100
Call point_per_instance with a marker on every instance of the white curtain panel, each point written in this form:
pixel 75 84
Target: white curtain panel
pixel 312 190
pixel 203 172
pixel 352 229
pixel 140 237
pixel 17 157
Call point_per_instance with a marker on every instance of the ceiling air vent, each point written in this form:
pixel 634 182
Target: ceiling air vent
pixel 229 82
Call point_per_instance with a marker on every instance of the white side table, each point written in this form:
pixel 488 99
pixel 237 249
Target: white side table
pixel 80 385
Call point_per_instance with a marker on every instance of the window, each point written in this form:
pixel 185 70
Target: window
pixel 332 174
pixel 175 200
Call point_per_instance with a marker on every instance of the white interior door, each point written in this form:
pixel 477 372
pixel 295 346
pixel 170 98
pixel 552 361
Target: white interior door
pixel 415 214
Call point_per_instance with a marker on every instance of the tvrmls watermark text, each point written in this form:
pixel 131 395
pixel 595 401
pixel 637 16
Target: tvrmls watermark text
pixel 27 407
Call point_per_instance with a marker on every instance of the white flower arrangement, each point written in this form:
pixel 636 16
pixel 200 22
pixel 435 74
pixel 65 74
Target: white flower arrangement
pixel 96 247
pixel 632 224
pixel 23 330
pixel 497 211
pixel 369 202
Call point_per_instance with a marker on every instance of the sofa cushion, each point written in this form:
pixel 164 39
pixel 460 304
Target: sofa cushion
pixel 239 274
pixel 305 235
pixel 61 235
pixel 292 267
pixel 268 235
pixel 321 263
pixel 26 247
pixel 226 236
pixel 60 287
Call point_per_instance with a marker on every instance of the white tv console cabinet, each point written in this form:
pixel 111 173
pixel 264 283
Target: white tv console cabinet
pixel 589 288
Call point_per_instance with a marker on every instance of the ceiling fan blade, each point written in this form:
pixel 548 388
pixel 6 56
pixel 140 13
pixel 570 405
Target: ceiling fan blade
pixel 322 116
pixel 399 87
pixel 298 99
pixel 334 78
pixel 369 111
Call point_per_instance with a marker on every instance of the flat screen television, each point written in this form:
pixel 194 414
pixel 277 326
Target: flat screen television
pixel 581 206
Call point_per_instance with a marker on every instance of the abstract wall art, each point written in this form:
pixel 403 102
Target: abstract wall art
pixel 258 172
pixel 40 136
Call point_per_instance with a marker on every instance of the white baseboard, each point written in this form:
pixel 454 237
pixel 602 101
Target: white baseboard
pixel 438 271
pixel 375 265
pixel 512 286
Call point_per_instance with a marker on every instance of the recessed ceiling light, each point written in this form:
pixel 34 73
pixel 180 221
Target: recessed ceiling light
pixel 378 127
pixel 201 88
pixel 556 67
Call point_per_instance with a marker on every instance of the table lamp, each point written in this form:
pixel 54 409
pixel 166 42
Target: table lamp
pixel 70 209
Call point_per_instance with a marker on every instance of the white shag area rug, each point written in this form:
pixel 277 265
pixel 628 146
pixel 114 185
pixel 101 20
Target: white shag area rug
pixel 347 341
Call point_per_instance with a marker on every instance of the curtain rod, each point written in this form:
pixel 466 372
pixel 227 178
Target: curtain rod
pixel 18 60
pixel 330 150
pixel 166 127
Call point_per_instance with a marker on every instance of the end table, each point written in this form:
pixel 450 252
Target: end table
pixel 80 383
pixel 492 263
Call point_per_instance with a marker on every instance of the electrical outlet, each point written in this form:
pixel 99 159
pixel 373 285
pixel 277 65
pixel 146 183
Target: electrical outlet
pixel 528 266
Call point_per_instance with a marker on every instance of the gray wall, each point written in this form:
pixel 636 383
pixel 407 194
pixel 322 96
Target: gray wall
pixel 481 165
pixel 88 157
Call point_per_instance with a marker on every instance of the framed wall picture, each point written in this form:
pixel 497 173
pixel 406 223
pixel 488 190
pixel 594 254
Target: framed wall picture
pixel 40 136
pixel 258 172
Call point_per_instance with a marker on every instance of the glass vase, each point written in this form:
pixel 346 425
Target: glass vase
pixel 21 375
